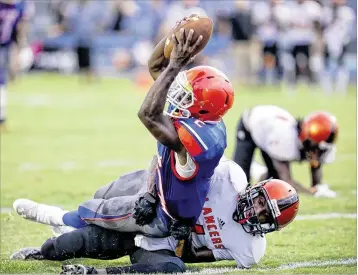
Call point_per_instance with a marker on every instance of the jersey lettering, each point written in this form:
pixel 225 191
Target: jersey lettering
pixel 216 240
pixel 206 210
pixel 209 219
pixel 199 123
pixel 210 226
pixel 214 234
pixel 210 223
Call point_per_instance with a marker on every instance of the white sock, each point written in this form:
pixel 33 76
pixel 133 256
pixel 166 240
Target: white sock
pixel 49 214
pixel 2 102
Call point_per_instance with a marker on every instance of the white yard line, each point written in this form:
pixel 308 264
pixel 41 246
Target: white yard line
pixel 326 216
pixel 349 261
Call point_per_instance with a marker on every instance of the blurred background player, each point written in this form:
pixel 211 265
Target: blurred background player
pixel 282 139
pixel 85 19
pixel 338 22
pixel 14 15
pixel 301 24
pixel 265 18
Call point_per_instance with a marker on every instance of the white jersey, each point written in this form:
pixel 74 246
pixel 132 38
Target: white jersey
pixel 215 227
pixel 338 28
pixel 263 18
pixel 275 131
pixel 300 28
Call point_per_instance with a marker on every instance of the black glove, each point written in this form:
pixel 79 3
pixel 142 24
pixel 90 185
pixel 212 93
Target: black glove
pixel 78 269
pixel 180 230
pixel 145 209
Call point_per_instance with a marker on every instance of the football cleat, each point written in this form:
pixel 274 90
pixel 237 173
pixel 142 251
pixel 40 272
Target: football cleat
pixel 40 213
pixel 78 269
pixel 27 253
pixel 323 191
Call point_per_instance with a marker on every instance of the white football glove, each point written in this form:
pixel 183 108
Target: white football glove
pixel 323 191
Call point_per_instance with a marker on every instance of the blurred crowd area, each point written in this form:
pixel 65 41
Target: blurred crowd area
pixel 253 41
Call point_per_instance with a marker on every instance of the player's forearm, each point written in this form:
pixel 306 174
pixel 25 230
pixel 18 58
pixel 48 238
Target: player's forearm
pixel 151 111
pixel 201 256
pixel 284 173
pixel 157 62
pixel 316 175
pixel 153 104
pixel 152 174
pixel 22 30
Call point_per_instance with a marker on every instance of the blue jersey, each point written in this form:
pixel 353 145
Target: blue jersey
pixel 10 16
pixel 184 198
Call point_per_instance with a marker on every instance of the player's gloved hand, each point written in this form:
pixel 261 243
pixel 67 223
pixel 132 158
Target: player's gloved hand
pixel 78 269
pixel 145 209
pixel 180 230
pixel 323 191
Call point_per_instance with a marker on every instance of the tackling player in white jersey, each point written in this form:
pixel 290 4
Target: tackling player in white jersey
pixel 283 139
pixel 232 225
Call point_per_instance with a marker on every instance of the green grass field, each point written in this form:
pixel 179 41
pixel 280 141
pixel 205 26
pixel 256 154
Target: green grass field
pixel 67 138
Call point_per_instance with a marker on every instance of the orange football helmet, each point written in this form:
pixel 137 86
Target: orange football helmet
pixel 318 133
pixel 202 92
pixel 319 127
pixel 282 201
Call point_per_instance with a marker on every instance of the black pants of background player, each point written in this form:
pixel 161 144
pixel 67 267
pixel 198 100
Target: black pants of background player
pixel 84 58
pixel 271 58
pixel 99 243
pixel 298 52
pixel 244 152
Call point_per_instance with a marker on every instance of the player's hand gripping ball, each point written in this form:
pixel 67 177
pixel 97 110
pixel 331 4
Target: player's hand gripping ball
pixel 200 24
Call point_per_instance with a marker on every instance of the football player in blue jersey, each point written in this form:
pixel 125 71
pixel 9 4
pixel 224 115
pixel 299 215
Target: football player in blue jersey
pixel 190 133
pixel 12 17
pixel 191 140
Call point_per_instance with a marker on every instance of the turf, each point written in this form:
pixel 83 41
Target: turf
pixel 66 138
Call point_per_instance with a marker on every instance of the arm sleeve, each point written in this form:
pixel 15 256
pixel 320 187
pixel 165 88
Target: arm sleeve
pixel 329 156
pixel 189 136
pixel 200 140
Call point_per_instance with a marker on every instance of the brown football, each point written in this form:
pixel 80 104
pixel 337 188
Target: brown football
pixel 201 25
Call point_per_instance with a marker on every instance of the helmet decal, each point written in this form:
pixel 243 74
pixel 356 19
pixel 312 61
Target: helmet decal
pixel 276 211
